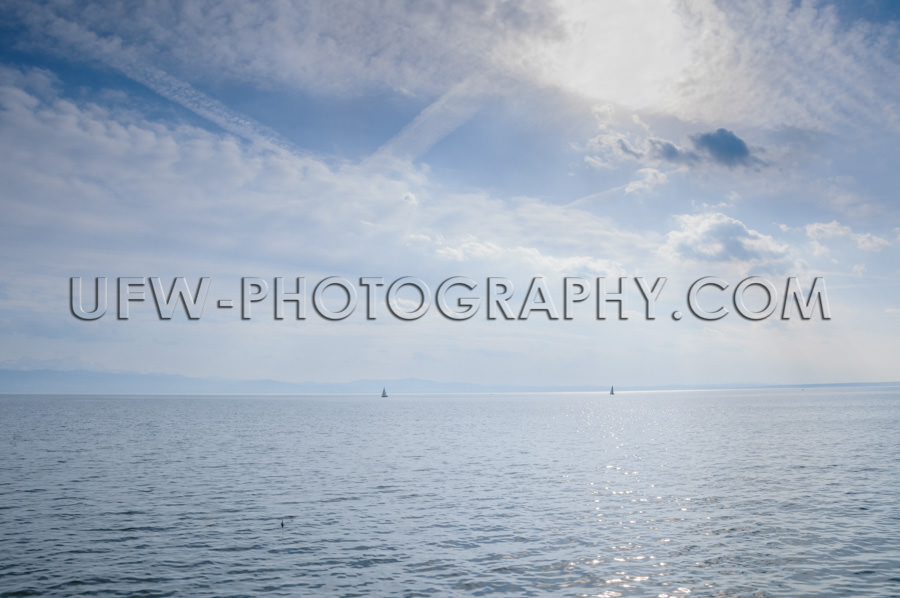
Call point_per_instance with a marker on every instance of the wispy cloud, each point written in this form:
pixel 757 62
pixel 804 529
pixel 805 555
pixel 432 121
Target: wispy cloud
pixel 666 151
pixel 125 177
pixel 648 179
pixel 773 63
pixel 831 230
pixel 332 47
pixel 714 123
pixel 762 63
pixel 113 51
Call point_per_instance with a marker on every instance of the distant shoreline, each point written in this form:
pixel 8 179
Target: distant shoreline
pixel 56 382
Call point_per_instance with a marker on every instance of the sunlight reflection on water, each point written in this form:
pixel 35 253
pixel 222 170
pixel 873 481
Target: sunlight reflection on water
pixel 662 494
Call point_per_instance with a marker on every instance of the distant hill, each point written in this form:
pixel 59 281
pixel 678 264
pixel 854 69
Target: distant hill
pixel 87 382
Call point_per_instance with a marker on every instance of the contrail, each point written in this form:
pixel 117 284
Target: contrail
pixel 113 52
pixel 435 122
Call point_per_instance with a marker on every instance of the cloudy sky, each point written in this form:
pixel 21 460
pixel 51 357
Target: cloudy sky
pixel 482 138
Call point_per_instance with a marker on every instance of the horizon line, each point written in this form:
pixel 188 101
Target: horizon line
pixel 487 391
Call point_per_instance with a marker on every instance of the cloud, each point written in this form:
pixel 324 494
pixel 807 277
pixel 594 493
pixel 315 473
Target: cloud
pixel 469 248
pixel 439 119
pixel 761 63
pixel 649 178
pixel 445 52
pixel 620 141
pixel 770 63
pixel 331 47
pixel 83 178
pixel 626 53
pixel 870 242
pixel 90 190
pixel 834 229
pixel 625 149
pixel 715 237
pixel 827 230
pixel 723 147
pixel 90 186
pixel 74 38
pixel 669 152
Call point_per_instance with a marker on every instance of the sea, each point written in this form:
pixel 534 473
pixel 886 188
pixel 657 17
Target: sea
pixel 763 492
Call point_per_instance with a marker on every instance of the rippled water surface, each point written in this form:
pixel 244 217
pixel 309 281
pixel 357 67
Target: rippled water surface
pixel 737 493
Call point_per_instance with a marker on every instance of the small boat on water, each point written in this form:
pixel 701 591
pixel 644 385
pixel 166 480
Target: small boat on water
pixel 611 391
pixel 384 393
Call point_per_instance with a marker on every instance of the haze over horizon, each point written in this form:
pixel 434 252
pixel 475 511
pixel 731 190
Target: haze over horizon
pixel 484 140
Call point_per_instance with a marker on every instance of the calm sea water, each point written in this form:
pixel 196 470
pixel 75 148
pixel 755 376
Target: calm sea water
pixel 738 493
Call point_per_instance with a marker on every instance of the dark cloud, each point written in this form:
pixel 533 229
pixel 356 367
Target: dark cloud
pixel 720 147
pixel 668 151
pixel 626 149
pixel 723 147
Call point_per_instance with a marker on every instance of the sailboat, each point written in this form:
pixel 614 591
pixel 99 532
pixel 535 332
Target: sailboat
pixel 611 391
pixel 384 393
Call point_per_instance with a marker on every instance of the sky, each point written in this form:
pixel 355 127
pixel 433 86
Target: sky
pixel 483 139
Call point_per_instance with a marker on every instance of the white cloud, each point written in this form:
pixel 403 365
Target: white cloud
pixel 827 230
pixel 819 249
pixel 630 54
pixel 84 179
pixel 74 37
pixel 715 237
pixel 755 64
pixel 649 178
pixel 90 189
pixel 524 259
pixel 834 229
pixel 763 63
pixel 870 242
pixel 325 46
pixel 772 63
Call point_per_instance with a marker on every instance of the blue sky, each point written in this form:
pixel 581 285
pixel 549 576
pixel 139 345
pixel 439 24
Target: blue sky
pixel 480 138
